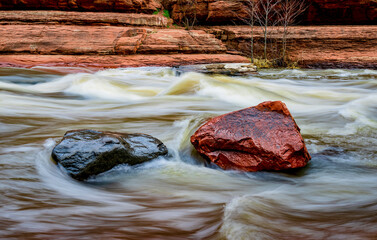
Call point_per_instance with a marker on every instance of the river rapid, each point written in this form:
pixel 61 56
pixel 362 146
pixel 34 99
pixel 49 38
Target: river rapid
pixel 183 197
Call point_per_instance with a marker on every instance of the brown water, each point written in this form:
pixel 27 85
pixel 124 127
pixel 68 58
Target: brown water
pixel 334 197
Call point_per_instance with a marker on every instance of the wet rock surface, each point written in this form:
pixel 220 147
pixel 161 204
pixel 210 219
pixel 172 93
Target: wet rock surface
pixel 264 137
pixel 86 153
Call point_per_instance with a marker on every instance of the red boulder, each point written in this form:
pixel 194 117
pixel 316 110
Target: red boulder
pixel 264 137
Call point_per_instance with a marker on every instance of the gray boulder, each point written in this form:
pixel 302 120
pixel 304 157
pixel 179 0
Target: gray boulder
pixel 85 153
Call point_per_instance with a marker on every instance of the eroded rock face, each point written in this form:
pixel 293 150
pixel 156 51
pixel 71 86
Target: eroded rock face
pixel 85 153
pixel 206 12
pixel 323 12
pixel 325 46
pixel 132 6
pixel 105 40
pixel 264 137
pixel 326 12
pixel 52 17
pixel 92 62
pixel 209 12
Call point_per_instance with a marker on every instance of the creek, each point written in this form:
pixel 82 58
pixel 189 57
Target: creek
pixel 182 197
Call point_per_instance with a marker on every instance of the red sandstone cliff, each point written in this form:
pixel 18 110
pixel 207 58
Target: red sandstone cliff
pixel 53 38
pixel 341 12
pixel 310 46
pixel 323 12
pixel 130 6
pixel 31 38
pixel 210 12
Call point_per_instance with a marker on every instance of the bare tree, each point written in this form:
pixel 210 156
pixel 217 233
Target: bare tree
pixel 188 12
pixel 288 12
pixel 266 16
pixel 261 12
pixel 248 17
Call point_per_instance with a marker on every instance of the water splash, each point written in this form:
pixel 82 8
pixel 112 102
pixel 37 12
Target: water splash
pixel 185 197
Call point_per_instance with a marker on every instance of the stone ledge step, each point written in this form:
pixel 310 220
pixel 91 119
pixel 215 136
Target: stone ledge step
pixel 226 33
pixel 114 61
pixel 82 18
pixel 145 6
pixel 104 40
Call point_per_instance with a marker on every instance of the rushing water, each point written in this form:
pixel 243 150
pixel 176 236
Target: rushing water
pixel 334 197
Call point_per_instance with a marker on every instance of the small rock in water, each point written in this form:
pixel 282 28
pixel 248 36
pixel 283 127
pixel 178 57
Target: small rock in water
pixel 232 69
pixel 264 137
pixel 86 153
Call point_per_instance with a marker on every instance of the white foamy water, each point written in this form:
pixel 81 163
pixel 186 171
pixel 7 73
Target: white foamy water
pixel 183 197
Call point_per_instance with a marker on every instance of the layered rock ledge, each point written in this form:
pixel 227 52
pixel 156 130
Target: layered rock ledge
pixel 82 18
pixel 28 45
pixel 209 12
pixel 130 6
pixel 319 12
pixel 310 46
pixel 101 40
pixel 104 40
pixel 114 61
